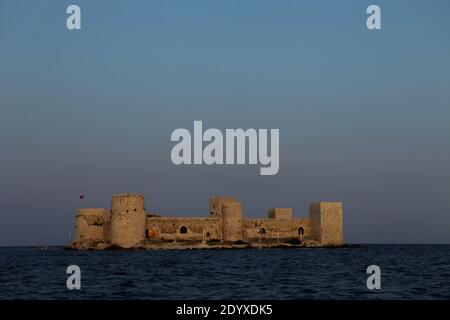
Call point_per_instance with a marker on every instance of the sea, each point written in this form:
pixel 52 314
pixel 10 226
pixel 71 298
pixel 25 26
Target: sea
pixel 407 272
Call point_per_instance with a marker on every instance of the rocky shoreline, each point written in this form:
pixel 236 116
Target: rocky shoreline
pixel 194 245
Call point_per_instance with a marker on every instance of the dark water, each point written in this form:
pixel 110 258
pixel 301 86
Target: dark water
pixel 408 272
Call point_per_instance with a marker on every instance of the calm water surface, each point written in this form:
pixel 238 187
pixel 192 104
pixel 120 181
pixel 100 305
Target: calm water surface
pixel 408 272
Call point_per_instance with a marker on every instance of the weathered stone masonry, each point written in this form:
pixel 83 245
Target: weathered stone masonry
pixel 128 224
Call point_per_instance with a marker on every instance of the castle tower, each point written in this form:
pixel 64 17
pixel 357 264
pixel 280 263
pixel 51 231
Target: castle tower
pixel 232 221
pixel 127 220
pixel 90 224
pixel 327 222
pixel 215 205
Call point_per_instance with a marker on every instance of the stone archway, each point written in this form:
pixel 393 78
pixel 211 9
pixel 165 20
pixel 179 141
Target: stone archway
pixel 183 230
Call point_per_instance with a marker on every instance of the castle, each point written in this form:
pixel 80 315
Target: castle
pixel 129 225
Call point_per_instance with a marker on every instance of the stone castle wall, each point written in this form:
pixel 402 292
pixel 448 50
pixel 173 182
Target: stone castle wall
pixel 183 228
pixel 261 229
pixel 128 224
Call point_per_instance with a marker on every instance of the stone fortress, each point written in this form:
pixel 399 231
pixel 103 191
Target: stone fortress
pixel 129 225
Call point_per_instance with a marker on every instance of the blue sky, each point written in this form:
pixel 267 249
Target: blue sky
pixel 364 116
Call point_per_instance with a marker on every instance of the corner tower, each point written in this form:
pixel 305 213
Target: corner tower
pixel 127 220
pixel 91 225
pixel 327 222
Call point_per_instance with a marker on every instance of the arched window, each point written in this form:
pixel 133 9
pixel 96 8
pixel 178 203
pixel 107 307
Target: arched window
pixel 301 231
pixel 208 235
pixel 262 231
pixel 183 230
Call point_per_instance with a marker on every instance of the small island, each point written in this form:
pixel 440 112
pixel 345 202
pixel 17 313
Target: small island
pixel 128 225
